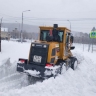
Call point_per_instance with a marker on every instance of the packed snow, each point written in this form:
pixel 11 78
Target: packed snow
pixel 81 82
pixel 33 72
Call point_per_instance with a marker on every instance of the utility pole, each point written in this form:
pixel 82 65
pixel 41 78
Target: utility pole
pixel 93 29
pixel 22 26
pixel 0 33
pixel 89 43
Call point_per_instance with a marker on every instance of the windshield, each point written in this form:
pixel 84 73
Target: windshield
pixel 46 33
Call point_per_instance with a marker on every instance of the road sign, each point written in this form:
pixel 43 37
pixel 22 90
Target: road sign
pixel 93 34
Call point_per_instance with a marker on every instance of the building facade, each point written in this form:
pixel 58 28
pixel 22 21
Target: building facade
pixel 5 35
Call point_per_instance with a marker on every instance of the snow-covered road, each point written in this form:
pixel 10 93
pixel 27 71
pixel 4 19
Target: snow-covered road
pixel 81 82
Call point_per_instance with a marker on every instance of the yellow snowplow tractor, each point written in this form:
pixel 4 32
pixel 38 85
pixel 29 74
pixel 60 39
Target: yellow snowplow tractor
pixel 49 53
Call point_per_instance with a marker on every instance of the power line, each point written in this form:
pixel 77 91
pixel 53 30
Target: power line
pixel 48 20
pixel 53 19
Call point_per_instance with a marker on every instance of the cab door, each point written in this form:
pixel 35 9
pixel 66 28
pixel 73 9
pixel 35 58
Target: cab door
pixel 67 44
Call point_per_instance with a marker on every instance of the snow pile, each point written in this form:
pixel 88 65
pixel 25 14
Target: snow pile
pixel 7 68
pixel 32 72
pixel 81 82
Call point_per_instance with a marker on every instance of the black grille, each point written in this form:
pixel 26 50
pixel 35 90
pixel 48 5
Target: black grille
pixel 39 51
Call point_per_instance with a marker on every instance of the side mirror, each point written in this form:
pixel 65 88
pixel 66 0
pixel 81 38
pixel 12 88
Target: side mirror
pixel 73 47
pixel 69 33
pixel 72 39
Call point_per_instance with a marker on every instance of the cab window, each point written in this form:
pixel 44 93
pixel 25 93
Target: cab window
pixel 60 33
pixel 44 34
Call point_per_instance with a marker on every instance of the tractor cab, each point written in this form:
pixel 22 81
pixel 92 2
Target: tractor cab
pixel 51 34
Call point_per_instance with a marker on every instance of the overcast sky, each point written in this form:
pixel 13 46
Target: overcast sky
pixel 62 10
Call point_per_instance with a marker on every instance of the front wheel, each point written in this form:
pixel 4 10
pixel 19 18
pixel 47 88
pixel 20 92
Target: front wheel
pixel 74 63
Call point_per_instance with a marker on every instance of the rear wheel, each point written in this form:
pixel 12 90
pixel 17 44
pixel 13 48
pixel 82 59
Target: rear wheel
pixel 60 65
pixel 68 64
pixel 62 68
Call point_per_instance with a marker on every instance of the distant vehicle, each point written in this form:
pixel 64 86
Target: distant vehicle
pixel 51 52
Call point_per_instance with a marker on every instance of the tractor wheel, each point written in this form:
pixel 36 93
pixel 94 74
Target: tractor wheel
pixel 74 63
pixel 60 70
pixel 63 68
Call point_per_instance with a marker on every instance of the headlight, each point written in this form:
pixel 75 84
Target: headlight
pixel 44 46
pixel 33 44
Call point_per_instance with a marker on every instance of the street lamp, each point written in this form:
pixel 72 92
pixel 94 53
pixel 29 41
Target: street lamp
pixel 70 23
pixel 22 25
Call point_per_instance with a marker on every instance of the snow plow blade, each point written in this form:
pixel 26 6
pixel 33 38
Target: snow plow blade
pixel 35 70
